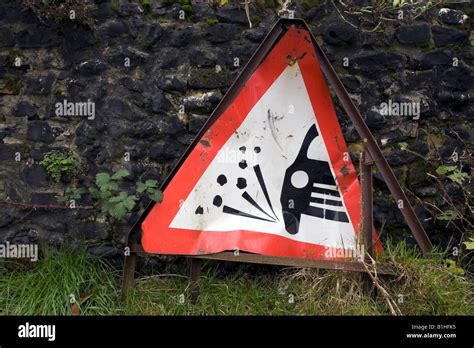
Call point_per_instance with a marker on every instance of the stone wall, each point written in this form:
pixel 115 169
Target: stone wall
pixel 190 62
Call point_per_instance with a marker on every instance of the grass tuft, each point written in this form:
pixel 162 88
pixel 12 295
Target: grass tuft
pixel 48 288
pixel 423 286
pixel 430 285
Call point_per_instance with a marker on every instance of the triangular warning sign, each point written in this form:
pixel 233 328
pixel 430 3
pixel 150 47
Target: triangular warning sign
pixel 270 175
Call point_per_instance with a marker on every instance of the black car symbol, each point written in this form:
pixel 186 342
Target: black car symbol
pixel 308 188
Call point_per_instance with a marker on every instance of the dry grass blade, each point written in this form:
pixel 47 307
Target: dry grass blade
pixel 76 307
pixel 394 310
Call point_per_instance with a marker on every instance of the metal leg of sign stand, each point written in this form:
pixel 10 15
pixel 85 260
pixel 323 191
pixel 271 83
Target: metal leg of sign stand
pixel 367 219
pixel 194 277
pixel 128 278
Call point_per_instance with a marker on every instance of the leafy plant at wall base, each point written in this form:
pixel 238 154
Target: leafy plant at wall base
pixel 453 173
pixel 58 164
pixel 120 205
pixel 116 204
pixel 110 198
pixel 150 188
pixel 72 194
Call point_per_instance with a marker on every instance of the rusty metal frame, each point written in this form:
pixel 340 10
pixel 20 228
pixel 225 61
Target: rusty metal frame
pixel 372 155
pixel 373 149
pixel 367 217
pixel 367 203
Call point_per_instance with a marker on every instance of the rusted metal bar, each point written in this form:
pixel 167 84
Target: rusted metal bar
pixel 366 188
pixel 194 277
pixel 282 261
pixel 294 262
pixel 128 276
pixel 367 223
pixel 374 150
pixel 138 249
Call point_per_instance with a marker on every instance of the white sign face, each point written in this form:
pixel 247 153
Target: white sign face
pixel 273 175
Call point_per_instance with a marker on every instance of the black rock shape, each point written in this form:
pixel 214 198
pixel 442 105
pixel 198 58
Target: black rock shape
pixel 222 180
pixel 243 164
pixel 241 183
pixel 217 201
